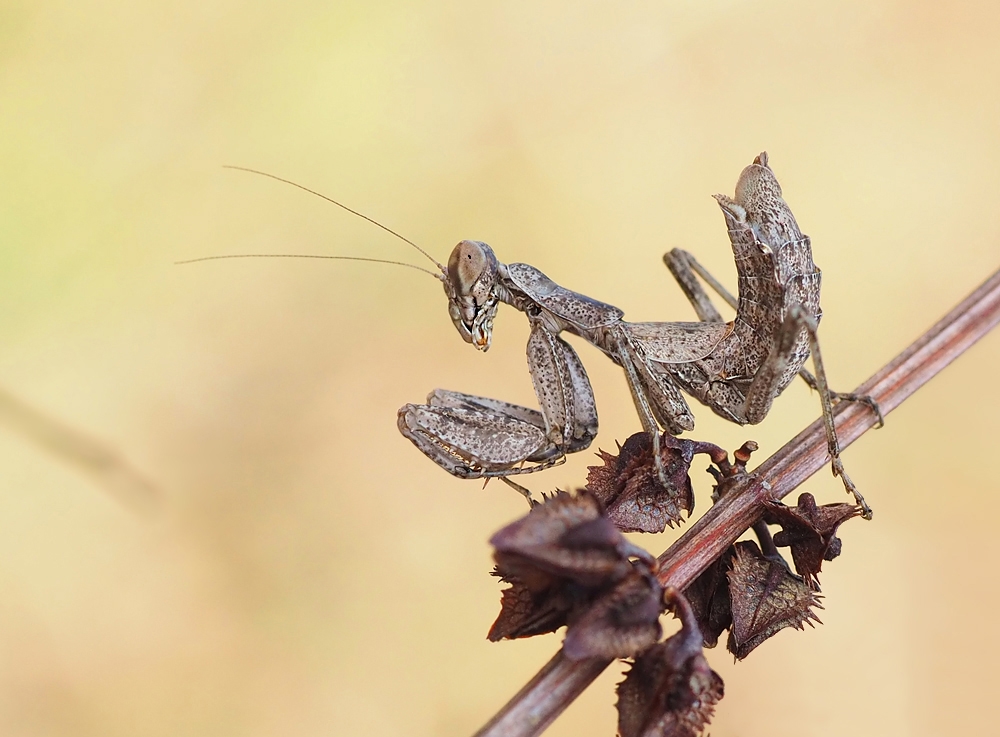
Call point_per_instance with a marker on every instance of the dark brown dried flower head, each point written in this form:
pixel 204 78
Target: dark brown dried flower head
pixel 559 558
pixel 619 623
pixel 567 536
pixel 765 598
pixel 670 690
pixel 535 605
pixel 628 486
pixel 810 531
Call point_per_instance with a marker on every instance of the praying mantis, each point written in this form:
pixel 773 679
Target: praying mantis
pixel 735 368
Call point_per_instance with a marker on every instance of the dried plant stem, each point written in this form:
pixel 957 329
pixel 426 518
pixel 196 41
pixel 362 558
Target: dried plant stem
pixel 561 680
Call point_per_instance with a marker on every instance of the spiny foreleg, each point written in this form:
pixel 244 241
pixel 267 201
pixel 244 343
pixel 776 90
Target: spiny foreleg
pixel 476 437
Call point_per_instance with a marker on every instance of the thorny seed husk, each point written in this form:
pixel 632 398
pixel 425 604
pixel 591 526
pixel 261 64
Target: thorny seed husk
pixel 629 488
pixel 810 531
pixel 708 596
pixel 620 623
pixel 765 598
pixel 670 691
pixel 569 537
pixel 567 563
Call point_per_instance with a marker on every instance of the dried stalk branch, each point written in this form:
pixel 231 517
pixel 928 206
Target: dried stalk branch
pixel 100 461
pixel 561 680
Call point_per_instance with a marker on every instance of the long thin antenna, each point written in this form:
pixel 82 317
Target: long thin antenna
pixel 310 255
pixel 341 206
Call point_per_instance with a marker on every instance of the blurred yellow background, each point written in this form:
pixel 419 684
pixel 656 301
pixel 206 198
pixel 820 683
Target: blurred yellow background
pixel 303 569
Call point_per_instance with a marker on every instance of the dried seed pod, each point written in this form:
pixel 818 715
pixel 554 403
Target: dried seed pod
pixel 765 598
pixel 536 608
pixel 630 490
pixel 620 622
pixel 810 531
pixel 569 537
pixel 560 558
pixel 670 691
pixel 709 598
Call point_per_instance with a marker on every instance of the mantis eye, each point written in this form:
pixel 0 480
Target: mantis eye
pixel 468 261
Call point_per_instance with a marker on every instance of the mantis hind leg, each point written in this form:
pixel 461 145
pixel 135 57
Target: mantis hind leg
pixel 845 396
pixel 685 268
pixel 771 375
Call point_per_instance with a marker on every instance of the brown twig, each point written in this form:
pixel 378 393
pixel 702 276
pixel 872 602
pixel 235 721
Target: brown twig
pixel 561 680
pixel 86 453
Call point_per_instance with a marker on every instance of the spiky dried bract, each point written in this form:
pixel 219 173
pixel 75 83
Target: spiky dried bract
pixel 559 558
pixel 620 623
pixel 534 605
pixel 765 597
pixel 569 537
pixel 670 691
pixel 709 598
pixel 629 488
pixel 810 531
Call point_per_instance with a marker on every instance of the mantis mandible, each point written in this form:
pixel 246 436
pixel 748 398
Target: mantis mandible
pixel 735 368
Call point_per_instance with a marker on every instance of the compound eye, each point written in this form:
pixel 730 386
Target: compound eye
pixel 467 263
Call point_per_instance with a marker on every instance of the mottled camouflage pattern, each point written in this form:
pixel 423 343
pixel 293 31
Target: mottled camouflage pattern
pixel 746 370
pixel 736 368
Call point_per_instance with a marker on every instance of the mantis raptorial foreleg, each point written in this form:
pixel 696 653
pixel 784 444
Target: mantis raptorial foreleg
pixel 563 389
pixel 476 437
pixel 479 437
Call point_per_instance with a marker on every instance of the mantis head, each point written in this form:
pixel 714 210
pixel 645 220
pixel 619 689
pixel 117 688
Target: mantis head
pixel 472 303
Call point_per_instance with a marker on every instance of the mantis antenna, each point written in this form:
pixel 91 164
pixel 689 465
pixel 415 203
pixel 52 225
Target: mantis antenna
pixel 343 207
pixel 308 255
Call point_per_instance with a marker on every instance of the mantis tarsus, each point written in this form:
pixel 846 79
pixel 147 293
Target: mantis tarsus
pixel 736 368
